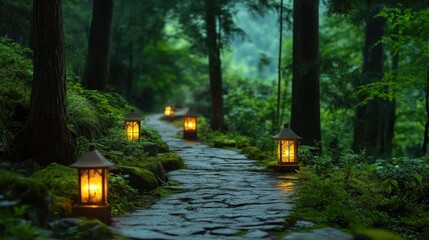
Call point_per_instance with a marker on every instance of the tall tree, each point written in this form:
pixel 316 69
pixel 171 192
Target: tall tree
pixel 45 136
pixel 212 11
pixel 305 111
pixel 279 65
pixel 97 65
pixel 372 120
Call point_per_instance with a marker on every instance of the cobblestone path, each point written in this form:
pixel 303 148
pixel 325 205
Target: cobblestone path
pixel 227 196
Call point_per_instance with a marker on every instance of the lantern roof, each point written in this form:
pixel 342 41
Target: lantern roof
pixel 92 159
pixel 286 133
pixel 132 116
pixel 191 113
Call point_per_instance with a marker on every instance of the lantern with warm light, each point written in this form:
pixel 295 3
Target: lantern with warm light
pixel 287 150
pixel 132 126
pixel 190 125
pixel 93 186
pixel 169 112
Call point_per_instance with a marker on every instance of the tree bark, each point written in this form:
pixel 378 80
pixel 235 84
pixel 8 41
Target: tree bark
pixel 305 112
pixel 97 65
pixel 215 72
pixel 45 137
pixel 374 121
pixel 279 66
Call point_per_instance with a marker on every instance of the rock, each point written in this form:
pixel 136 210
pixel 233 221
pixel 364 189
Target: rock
pixel 225 231
pixel 303 224
pixel 151 148
pixel 141 179
pixel 158 170
pixel 257 234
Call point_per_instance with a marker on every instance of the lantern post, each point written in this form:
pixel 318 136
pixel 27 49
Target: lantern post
pixel 93 199
pixel 132 126
pixel 190 125
pixel 287 150
pixel 169 112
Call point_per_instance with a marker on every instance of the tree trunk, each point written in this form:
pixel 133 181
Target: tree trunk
pixel 97 64
pixel 305 112
pixel 45 137
pixel 213 49
pixel 279 66
pixel 374 120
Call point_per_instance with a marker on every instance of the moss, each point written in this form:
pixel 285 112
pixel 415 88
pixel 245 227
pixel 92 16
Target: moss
pixel 61 207
pixel 224 143
pixel 83 228
pixel 141 179
pixel 377 234
pixel 61 180
pixel 7 178
pixel 170 189
pixel 170 161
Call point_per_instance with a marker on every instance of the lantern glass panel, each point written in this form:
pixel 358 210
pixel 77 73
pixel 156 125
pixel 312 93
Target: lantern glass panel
pixel 91 185
pixel 190 124
pixel 133 130
pixel 168 111
pixel 286 151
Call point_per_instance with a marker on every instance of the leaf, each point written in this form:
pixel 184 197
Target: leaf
pixel 419 178
pixel 372 168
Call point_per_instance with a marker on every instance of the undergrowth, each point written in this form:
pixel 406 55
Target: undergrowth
pixel 354 192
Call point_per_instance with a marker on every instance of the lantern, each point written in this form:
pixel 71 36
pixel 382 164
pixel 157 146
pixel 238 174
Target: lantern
pixel 190 125
pixel 287 150
pixel 132 126
pixel 169 112
pixel 93 186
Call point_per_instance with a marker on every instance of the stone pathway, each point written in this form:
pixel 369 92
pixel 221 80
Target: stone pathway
pixel 227 196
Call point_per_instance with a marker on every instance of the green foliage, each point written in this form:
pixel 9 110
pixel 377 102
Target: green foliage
pixel 256 102
pixel 355 193
pixel 13 225
pixel 16 71
pixel 84 229
pixel 26 194
pixel 124 198
pixel 92 113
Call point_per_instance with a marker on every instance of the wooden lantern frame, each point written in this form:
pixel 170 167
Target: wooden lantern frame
pixel 287 150
pixel 92 182
pixel 132 126
pixel 190 124
pixel 169 112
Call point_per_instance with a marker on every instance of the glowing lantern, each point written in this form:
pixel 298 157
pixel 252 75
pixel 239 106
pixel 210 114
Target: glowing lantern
pixel 132 126
pixel 169 112
pixel 287 150
pixel 93 186
pixel 190 125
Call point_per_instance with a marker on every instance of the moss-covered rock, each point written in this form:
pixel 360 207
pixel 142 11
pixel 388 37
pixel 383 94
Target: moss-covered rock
pixel 82 228
pixel 141 179
pixel 222 143
pixel 151 149
pixel 377 234
pixel 170 161
pixel 61 206
pixel 253 153
pixel 160 174
pixel 61 180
